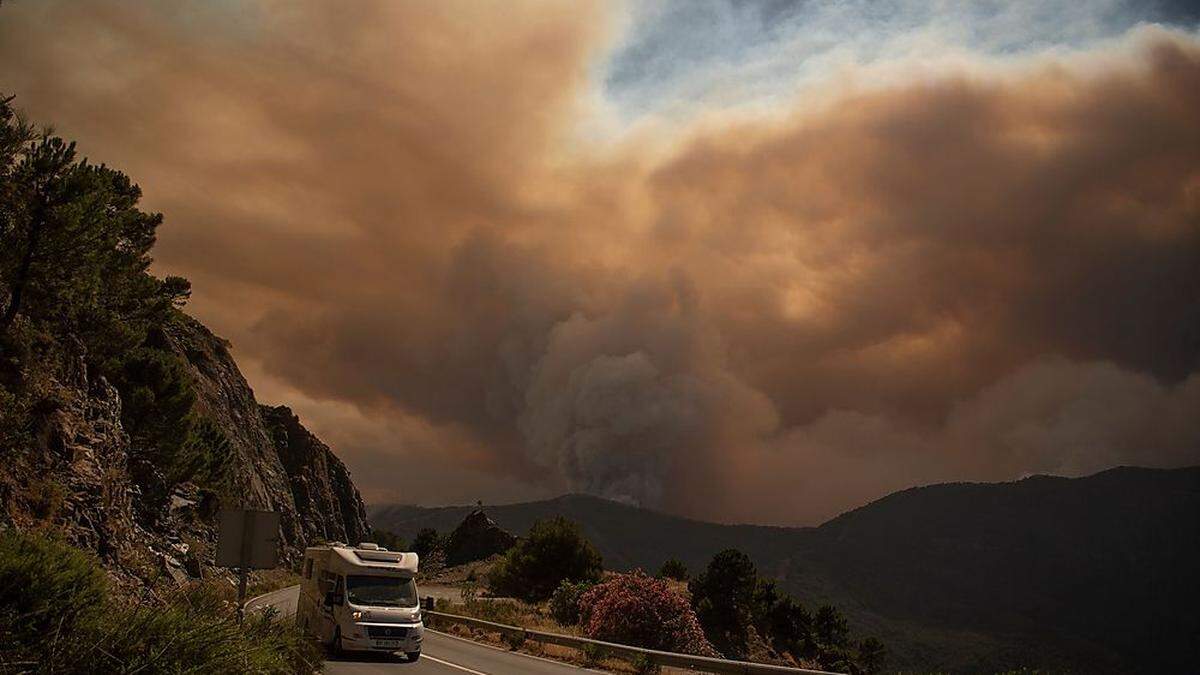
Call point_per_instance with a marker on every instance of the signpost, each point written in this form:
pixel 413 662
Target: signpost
pixel 247 540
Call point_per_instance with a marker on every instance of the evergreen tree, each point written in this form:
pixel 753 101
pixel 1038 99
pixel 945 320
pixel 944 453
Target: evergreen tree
pixel 674 569
pixel 830 627
pixel 76 247
pixel 723 595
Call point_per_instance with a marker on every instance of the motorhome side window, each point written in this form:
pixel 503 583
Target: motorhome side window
pixel 308 568
pixel 330 582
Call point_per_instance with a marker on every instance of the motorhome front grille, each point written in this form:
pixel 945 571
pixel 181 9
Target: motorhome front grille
pixel 387 631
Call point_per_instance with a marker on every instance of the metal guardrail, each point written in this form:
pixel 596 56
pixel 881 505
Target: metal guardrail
pixel 659 658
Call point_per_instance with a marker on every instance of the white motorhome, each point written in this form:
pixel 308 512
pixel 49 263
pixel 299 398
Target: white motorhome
pixel 361 598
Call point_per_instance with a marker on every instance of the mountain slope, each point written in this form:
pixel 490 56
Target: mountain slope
pixel 80 471
pixel 1085 575
pixel 627 536
pixel 125 424
pixel 274 463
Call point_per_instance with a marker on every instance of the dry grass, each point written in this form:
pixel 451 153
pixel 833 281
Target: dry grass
pixel 472 572
pixel 508 611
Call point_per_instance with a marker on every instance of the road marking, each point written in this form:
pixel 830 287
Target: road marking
pixel 485 645
pixel 452 665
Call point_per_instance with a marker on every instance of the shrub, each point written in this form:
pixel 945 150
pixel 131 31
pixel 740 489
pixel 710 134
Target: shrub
pixel 643 665
pixel 469 593
pixel 56 616
pixel 197 632
pixel 426 542
pixel 553 551
pixel 205 457
pixel 564 603
pixel 674 569
pixel 592 654
pixel 514 641
pixel 638 610
pixel 48 591
pixel 871 655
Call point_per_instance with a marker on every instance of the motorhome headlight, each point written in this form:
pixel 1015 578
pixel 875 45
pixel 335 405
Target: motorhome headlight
pixel 356 615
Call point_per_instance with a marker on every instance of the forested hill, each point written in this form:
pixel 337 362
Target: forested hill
pixel 1094 574
pixel 125 424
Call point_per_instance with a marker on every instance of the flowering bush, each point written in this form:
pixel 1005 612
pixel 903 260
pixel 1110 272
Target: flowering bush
pixel 635 609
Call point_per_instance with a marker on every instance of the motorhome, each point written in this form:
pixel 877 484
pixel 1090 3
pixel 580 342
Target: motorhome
pixel 361 598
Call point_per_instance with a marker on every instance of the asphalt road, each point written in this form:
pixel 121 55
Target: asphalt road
pixel 441 654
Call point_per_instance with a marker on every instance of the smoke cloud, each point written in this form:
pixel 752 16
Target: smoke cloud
pixel 977 271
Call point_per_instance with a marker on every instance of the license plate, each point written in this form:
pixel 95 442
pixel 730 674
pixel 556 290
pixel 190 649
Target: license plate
pixel 387 643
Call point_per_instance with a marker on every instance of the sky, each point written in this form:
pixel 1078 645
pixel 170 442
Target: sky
pixel 741 261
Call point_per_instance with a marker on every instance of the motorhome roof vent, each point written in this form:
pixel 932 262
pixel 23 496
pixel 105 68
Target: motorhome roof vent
pixel 394 557
pixel 369 546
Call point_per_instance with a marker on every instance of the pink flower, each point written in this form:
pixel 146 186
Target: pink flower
pixel 638 610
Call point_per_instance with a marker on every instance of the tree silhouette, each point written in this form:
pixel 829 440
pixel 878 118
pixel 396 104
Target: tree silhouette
pixel 723 595
pixel 553 551
pixel 674 569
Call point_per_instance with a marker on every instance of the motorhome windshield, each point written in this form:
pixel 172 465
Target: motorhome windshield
pixel 381 591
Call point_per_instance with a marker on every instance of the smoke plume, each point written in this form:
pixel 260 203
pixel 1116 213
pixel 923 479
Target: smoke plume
pixel 972 271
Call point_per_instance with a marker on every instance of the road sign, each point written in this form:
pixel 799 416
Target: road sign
pixel 248 539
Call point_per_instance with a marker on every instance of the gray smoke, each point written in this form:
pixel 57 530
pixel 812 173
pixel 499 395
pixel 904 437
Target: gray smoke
pixel 629 404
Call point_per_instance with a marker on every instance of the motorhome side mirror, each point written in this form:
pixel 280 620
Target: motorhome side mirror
pixel 332 599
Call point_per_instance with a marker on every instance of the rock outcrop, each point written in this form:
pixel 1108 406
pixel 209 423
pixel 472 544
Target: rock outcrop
pixel 87 450
pixel 321 485
pixel 257 478
pixel 277 464
pixel 476 538
pixel 78 471
pixel 76 477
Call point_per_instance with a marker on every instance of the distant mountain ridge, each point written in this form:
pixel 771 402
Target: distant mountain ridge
pixel 1092 574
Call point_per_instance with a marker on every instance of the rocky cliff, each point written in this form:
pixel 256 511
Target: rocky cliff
pixel 77 472
pixel 256 478
pixel 320 484
pixel 125 424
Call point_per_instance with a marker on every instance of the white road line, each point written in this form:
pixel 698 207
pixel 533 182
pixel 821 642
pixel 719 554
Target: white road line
pixel 556 662
pixel 452 665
